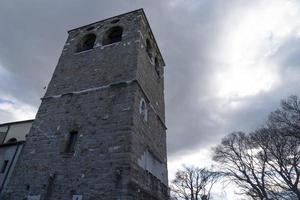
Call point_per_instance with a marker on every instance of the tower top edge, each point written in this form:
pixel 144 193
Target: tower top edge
pixel 141 10
pixel 137 11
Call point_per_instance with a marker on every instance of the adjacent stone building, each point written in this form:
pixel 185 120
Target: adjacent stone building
pixel 100 131
pixel 12 138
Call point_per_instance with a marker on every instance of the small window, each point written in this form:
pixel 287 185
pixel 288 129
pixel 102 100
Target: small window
pixel 70 147
pixel 86 43
pixel 12 140
pixel 4 166
pixel 143 109
pixel 113 35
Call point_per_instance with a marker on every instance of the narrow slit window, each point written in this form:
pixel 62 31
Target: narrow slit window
pixel 5 163
pixel 156 62
pixel 149 49
pixel 50 185
pixel 157 67
pixel 143 109
pixel 73 136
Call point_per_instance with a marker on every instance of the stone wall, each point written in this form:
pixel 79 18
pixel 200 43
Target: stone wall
pixel 97 95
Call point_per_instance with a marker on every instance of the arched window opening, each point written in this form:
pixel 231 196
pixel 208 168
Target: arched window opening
pixel 87 42
pixel 12 140
pixel 149 49
pixel 143 109
pixel 113 35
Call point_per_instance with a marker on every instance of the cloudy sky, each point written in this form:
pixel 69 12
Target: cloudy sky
pixel 229 62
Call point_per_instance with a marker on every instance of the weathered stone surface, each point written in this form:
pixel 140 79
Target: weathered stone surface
pixel 118 154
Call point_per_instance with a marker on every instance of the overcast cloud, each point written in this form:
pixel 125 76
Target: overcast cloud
pixel 229 63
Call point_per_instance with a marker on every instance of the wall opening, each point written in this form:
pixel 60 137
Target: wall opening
pixel 72 140
pixel 149 49
pixel 143 109
pixel 87 42
pixel 157 67
pixel 50 186
pixel 4 166
pixel 12 140
pixel 113 35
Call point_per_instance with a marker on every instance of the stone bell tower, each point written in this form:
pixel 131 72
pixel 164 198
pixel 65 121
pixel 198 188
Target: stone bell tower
pixel 100 130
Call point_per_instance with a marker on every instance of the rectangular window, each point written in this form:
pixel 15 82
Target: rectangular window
pixel 73 135
pixel 4 166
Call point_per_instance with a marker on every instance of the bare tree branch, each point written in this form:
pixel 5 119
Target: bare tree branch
pixel 192 183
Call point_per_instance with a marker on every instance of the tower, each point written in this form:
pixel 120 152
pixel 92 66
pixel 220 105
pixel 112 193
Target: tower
pixel 100 130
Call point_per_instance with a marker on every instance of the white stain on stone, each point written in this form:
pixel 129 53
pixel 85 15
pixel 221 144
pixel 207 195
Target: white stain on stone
pixel 140 32
pixel 114 148
pixel 98 45
pixel 32 152
pixel 77 197
pixel 34 197
pixel 105 117
pixel 148 162
pixel 125 109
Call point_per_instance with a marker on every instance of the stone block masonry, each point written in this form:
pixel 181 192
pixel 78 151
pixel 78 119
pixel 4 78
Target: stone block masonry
pixel 100 130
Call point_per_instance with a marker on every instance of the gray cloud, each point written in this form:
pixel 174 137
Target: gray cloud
pixel 33 33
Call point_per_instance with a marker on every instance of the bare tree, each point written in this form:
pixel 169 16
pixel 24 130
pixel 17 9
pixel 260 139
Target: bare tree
pixel 243 165
pixel 280 139
pixel 286 119
pixel 266 163
pixel 192 183
pixel 283 160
